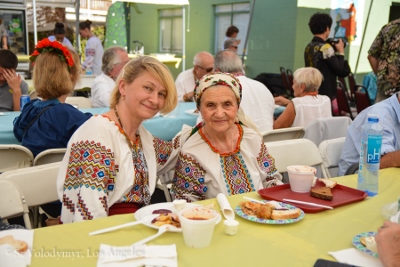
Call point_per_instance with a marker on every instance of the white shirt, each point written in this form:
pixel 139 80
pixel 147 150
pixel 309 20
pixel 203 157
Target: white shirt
pixel 309 108
pixel 257 103
pixel 65 42
pixel 102 87
pixel 185 83
pixel 93 53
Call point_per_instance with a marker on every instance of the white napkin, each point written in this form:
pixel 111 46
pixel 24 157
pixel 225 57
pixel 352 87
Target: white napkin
pixel 143 255
pixel 353 256
pixel 225 207
pixel 8 253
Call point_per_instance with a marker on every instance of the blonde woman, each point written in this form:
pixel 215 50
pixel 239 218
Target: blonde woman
pixel 112 161
pixel 307 105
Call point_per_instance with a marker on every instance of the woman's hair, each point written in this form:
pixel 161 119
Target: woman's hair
pixel 310 77
pixel 85 24
pixel 59 28
pixel 136 67
pixel 51 76
pixel 110 58
pixel 231 30
pixel 319 22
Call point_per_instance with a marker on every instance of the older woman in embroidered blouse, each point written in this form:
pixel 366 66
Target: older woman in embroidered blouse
pixel 307 105
pixel 112 161
pixel 224 153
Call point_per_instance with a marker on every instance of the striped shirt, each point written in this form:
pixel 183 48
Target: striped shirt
pixel 389 117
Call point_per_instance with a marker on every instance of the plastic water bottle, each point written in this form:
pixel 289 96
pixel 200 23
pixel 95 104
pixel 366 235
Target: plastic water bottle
pixel 370 156
pixel 89 70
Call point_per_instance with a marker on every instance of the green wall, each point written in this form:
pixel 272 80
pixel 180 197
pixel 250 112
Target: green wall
pixel 278 35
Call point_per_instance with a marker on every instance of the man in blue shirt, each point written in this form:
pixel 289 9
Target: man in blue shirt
pixel 389 117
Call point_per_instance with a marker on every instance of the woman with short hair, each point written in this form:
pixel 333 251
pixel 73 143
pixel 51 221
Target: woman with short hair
pixel 112 161
pixel 308 105
pixel 225 153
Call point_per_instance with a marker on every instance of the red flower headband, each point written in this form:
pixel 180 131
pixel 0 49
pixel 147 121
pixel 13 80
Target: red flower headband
pixel 46 45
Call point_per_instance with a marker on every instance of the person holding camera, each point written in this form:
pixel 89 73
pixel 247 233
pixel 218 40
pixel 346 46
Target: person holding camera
pixel 326 55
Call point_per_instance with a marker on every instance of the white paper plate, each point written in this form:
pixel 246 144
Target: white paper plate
pixel 148 210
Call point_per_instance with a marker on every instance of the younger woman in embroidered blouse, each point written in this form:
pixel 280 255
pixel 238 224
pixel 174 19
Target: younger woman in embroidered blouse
pixel 49 122
pixel 224 153
pixel 307 105
pixel 112 161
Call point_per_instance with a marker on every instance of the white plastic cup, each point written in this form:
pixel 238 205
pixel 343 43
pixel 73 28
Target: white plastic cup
pixel 179 204
pixel 231 227
pixel 301 178
pixel 197 225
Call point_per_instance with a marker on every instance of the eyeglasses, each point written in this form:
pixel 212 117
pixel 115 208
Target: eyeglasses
pixel 206 69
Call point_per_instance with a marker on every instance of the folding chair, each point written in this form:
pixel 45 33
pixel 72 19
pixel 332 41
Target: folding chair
pixel 330 152
pixel 362 100
pixel 283 134
pixel 79 101
pixel 294 152
pixel 38 184
pixel 166 179
pixel 289 75
pixel 49 156
pixel 343 103
pixel 14 157
pixel 327 128
pixel 285 81
pixel 12 203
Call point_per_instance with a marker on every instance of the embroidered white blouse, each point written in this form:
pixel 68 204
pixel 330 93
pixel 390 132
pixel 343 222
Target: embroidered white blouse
pixel 202 173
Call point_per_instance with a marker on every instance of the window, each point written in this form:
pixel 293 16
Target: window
pixel 170 30
pixel 227 15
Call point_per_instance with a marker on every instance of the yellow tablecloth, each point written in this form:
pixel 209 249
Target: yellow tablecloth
pixel 298 244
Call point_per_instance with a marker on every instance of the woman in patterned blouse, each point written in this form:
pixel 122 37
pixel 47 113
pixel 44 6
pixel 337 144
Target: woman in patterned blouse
pixel 112 161
pixel 225 153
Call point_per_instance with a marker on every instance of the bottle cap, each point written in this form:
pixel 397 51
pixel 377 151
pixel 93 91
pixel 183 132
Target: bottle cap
pixel 373 118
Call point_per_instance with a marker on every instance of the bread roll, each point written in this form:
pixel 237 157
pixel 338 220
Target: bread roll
pixel 328 182
pixel 285 214
pixel 19 245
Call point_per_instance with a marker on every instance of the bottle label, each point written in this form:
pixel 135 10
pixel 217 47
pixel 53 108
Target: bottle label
pixel 374 149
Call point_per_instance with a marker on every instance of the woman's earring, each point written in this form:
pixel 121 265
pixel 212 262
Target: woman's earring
pixel 123 97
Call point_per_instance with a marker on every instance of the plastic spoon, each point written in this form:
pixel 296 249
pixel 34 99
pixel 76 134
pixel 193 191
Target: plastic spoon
pixel 105 230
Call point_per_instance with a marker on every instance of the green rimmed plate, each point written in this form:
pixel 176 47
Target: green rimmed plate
pixel 239 212
pixel 357 243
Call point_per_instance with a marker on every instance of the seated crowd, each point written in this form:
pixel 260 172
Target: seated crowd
pixel 112 162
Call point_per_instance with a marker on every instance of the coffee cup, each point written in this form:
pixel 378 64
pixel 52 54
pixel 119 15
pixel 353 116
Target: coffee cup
pixel 301 178
pixel 197 225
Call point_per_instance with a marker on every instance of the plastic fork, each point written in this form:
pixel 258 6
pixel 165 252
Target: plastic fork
pixel 163 228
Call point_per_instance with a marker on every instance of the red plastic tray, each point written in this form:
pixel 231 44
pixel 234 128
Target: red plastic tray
pixel 342 195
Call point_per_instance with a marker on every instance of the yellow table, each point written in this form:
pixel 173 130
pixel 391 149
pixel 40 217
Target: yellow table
pixel 298 244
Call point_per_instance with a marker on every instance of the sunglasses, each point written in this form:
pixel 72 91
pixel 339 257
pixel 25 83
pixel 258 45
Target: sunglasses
pixel 206 69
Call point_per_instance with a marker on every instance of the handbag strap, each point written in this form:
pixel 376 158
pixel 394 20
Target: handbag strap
pixel 35 119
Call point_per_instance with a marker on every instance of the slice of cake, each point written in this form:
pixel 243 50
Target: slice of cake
pixel 322 193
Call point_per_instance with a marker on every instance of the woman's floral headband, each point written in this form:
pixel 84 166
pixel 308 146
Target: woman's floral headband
pixel 46 45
